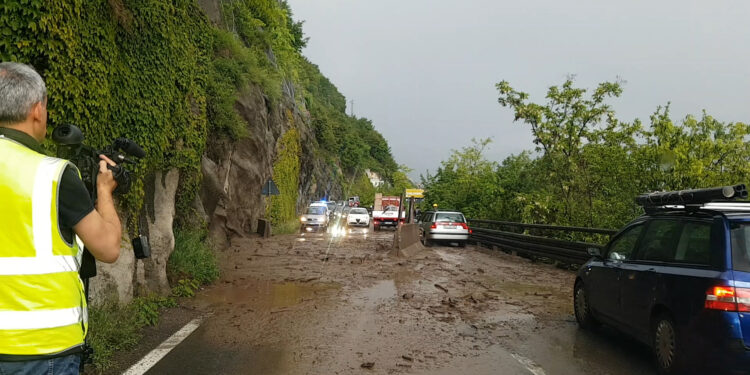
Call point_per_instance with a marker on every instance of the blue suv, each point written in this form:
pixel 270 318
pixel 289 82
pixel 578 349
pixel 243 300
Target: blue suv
pixel 677 279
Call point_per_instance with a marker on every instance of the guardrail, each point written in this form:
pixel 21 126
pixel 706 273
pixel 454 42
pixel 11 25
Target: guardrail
pixel 492 233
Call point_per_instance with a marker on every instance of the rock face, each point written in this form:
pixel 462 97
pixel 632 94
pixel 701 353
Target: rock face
pixel 230 199
pixel 160 211
pixel 114 282
pixel 128 277
pixel 234 172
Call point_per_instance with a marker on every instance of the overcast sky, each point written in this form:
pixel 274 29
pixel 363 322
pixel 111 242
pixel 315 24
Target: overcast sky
pixel 425 70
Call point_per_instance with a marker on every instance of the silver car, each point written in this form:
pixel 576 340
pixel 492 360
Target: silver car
pixel 447 226
pixel 314 219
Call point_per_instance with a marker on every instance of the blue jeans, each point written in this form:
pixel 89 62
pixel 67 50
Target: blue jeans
pixel 67 365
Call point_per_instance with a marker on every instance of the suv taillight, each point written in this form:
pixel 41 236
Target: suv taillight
pixel 728 298
pixel 433 226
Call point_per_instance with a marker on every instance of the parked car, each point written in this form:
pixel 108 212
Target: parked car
pixel 447 226
pixel 358 217
pixel 314 218
pixel 677 279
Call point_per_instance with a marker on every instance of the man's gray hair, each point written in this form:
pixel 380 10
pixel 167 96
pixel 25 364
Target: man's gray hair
pixel 20 88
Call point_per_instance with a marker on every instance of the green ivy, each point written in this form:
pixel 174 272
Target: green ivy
pixel 283 207
pixel 120 68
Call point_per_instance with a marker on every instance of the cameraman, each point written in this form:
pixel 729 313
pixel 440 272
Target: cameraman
pixel 46 212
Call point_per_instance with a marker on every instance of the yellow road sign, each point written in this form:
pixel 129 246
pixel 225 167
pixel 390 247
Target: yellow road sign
pixel 414 193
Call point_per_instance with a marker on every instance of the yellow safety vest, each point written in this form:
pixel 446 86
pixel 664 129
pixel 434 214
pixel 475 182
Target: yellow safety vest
pixel 42 303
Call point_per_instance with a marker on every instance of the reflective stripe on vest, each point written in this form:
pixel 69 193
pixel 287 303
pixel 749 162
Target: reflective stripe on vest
pixel 42 303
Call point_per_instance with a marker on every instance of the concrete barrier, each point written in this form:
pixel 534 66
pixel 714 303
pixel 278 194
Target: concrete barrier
pixel 406 241
pixel 264 228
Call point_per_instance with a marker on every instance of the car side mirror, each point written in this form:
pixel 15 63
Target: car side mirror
pixel 594 252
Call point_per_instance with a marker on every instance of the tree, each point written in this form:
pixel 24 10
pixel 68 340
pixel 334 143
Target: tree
pixel 466 181
pixel 561 129
pixel 700 153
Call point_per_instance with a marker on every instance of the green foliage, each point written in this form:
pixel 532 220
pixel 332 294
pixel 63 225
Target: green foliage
pixel 289 227
pixel 362 187
pixel 115 68
pixel 283 207
pixel 115 328
pixel 466 182
pixel 589 165
pixel 185 288
pixel 193 258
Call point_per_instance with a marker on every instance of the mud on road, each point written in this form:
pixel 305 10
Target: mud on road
pixel 313 304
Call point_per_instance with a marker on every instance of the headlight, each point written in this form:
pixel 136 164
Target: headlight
pixel 303 219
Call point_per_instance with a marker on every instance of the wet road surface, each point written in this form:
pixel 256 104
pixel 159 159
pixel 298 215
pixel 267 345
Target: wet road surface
pixel 318 304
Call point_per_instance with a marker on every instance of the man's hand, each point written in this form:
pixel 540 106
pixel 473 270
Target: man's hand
pixel 105 181
pixel 101 230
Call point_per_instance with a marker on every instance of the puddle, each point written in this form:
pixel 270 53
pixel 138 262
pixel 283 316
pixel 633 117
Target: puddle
pixel 264 294
pixel 380 293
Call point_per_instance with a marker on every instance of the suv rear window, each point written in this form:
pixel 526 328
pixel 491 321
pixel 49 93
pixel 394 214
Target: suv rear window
pixel 450 217
pixel 694 246
pixel 675 241
pixel 740 234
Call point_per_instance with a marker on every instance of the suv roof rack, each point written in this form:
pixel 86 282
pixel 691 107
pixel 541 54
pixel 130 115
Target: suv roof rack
pixel 693 196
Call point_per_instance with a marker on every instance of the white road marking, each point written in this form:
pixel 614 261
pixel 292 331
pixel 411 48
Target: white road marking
pixel 529 364
pixel 157 354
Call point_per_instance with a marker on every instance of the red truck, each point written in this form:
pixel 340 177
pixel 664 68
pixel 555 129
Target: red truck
pixel 384 212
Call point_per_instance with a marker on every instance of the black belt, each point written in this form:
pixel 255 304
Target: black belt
pixel 36 357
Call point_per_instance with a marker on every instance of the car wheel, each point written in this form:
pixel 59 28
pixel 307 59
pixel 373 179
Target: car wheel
pixel 582 308
pixel 665 344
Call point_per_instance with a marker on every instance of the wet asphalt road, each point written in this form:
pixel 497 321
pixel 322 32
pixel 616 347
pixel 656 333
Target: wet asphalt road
pixel 312 304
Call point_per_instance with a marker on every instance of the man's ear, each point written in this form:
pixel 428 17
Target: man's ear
pixel 37 112
pixel 38 119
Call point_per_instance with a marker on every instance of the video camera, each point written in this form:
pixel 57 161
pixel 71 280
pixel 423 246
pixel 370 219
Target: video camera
pixel 69 139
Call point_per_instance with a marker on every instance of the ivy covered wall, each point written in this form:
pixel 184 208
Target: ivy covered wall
pixel 137 71
pixel 163 74
pixel 282 208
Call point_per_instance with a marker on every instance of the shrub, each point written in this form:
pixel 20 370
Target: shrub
pixel 113 327
pixel 193 257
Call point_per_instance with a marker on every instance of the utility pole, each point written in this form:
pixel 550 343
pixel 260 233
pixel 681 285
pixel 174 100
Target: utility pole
pixel 351 107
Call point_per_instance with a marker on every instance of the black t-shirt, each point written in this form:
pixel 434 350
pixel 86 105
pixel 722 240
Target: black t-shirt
pixel 73 200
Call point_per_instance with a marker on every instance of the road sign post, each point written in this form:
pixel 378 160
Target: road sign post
pixel 264 225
